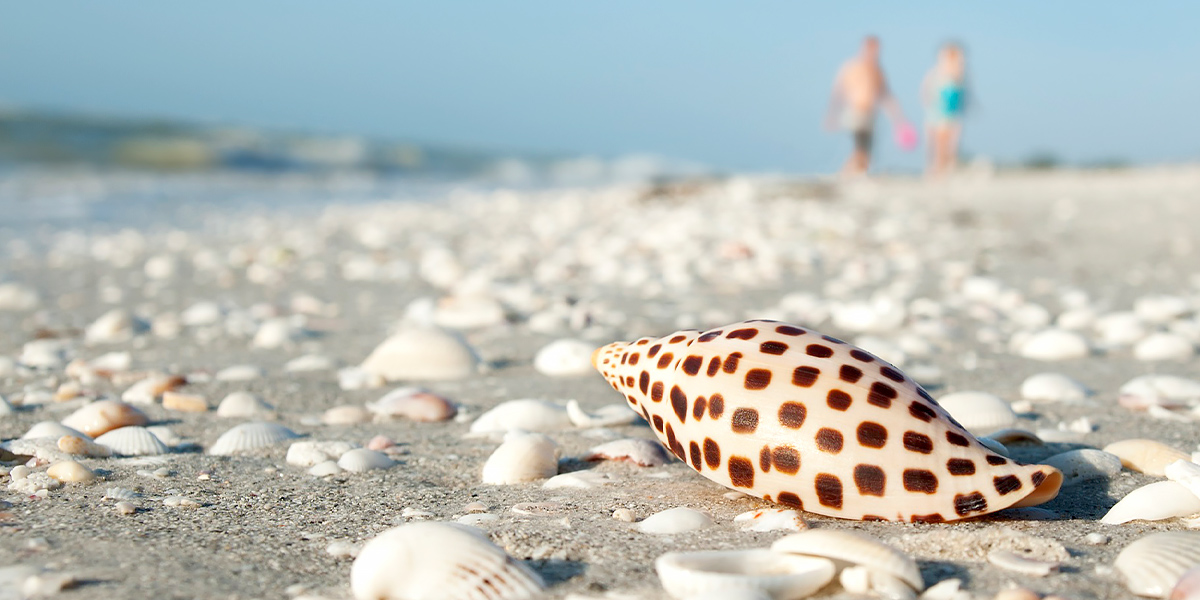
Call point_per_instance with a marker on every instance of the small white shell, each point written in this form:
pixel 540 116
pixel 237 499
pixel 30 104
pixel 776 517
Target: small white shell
pixel 1146 456
pixel 639 451
pixel 1053 387
pixel 1011 561
pixel 1154 502
pixel 1151 565
pixel 120 493
pixel 526 415
pixel 855 548
pixel 78 446
pixel 1121 328
pixel 133 441
pixel 104 415
pixel 1185 473
pixel 312 452
pixel 607 416
pixel 324 468
pixel 69 471
pixel 239 373
pixel 725 573
pixel 577 479
pixel 1159 390
pixel 675 520
pixel 309 363
pixel 250 436
pixel 771 519
pixel 423 354
pixel 1054 344
pixel 438 561
pixel 346 414
pixel 415 404
pixel 1084 464
pixel 564 358
pixel 522 457
pixel 979 412
pixel 243 405
pixel 51 429
pixel 1164 346
pixel 360 460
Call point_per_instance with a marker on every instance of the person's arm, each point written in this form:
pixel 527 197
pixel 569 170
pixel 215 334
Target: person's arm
pixel 836 101
pixel 889 103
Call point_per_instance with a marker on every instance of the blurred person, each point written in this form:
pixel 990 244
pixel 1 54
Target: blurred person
pixel 944 95
pixel 859 91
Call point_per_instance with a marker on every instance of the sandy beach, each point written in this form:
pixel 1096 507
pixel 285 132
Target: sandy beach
pixel 948 280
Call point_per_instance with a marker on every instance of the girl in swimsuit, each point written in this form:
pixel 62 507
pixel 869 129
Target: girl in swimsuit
pixel 944 94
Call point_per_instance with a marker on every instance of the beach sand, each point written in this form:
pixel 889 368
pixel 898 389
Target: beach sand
pixel 599 264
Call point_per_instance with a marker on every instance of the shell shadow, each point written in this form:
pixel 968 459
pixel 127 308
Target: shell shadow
pixel 933 571
pixel 556 571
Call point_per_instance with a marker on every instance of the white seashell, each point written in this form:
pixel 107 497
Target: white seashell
pixel 45 354
pixel 240 373
pixel 1011 561
pixel 1145 456
pixel 415 404
pixel 578 480
pixel 17 297
pixel 1053 387
pixel 355 378
pixel 468 312
pixel 1120 328
pixel 1161 308
pixel 51 429
pixel 346 414
pixel 995 446
pixel 201 313
pixel 1054 344
pixel 104 415
pixel 120 493
pixel 133 441
pixel 422 353
pixel 979 412
pixel 69 471
pixel 522 457
pixel 276 333
pixel 310 363
pixel 607 416
pixel 438 561
pixel 243 405
pixel 946 589
pixel 1185 473
pixel 1188 586
pixel 1159 390
pixel 360 460
pixel 727 573
pixel 564 358
pixel 639 451
pixel 771 519
pixel 148 390
pixel 310 452
pixel 526 415
pixel 78 446
pixel 878 315
pixel 856 580
pixel 184 402
pixel 250 436
pixel 1085 464
pixel 1164 346
pixel 324 468
pixel 855 548
pixel 113 327
pixel 1154 502
pixel 889 588
pixel 1151 565
pixel 675 520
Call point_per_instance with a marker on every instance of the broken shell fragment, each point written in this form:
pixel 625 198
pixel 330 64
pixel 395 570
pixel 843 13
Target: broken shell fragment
pixel 721 573
pixel 771 519
pixel 525 415
pixel 639 451
pixel 1011 561
pixel 564 358
pixel 184 402
pixel 75 445
pixel 854 548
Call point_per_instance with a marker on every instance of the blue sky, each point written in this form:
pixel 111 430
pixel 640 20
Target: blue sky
pixel 735 85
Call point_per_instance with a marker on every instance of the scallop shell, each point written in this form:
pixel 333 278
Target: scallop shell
pixel 564 358
pixel 103 416
pixel 854 548
pixel 438 561
pixel 786 414
pixel 1146 456
pixel 639 451
pixel 422 354
pixel 243 405
pixel 526 415
pixel 723 573
pixel 1154 502
pixel 133 441
pixel 1151 565
pixel 414 404
pixel 675 520
pixel 360 460
pixel 979 412
pixel 1053 387
pixel 250 436
pixel 522 457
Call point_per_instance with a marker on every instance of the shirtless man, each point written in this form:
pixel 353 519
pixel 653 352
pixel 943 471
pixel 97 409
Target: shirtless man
pixel 858 92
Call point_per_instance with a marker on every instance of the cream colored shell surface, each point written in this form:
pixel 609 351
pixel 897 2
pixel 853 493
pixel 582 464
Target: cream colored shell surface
pixel 808 421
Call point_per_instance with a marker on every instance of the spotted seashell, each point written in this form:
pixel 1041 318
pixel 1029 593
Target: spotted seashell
pixel 250 436
pixel 438 561
pixel 811 422
pixel 133 441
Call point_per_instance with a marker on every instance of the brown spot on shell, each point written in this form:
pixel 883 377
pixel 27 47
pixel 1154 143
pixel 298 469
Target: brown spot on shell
pixel 656 391
pixel 870 480
pixel 679 403
pixel 792 500
pixel 775 348
pixel 861 355
pixel 829 490
pixel 993 459
pixel 819 350
pixel 960 466
pixel 786 459
pixel 745 420
pixel 957 439
pixel 712 453
pixel 1006 484
pixel 741 472
pixel 665 360
pixel 1038 478
pixel 714 365
pixel 698 407
pixel 716 406
pixel 838 400
pixel 918 442
pixel 792 414
pixel 692 364
pixel 731 362
pixel 653 351
pixel 694 450
pixel 633 358
pixel 710 336
pixel 789 330
pixel 757 379
pixel 920 480
pixel 892 374
pixel 871 434
pixel 644 381
pixel 764 459
pixel 805 376
pixel 881 395
pixel 677 339
pixel 742 334
pixel 965 504
pixel 850 373
pixel 658 423
pixel 931 518
pixel 921 412
pixel 829 440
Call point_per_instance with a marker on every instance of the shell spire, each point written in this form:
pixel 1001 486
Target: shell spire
pixel 811 422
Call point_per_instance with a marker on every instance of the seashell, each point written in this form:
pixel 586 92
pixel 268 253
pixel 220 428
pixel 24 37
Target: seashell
pixel 1151 565
pixel 1164 346
pixel 120 493
pixel 743 403
pixel 1053 387
pixel 381 442
pixel 52 429
pixel 1120 328
pixel 240 373
pixel 414 404
pixel 276 333
pixel 311 452
pixel 310 363
pixel 325 468
pixel 1185 473
pixel 17 297
pixel 564 358
pixel 1054 344
pixel 69 471
pixel 104 415
pixel 526 415
pixel 184 402
pixel 133 441
pixel 346 414
pixel 979 412
pixel 1154 502
pixel 1187 587
pixel 1014 436
pixel 1159 390
pixel 522 457
pixel 771 519
pixel 243 405
pixel 1161 308
pixel 577 479
pixel 423 354
pixel 1146 456
pixel 889 588
pixel 78 446
pixel 45 354
pixel 438 561
pixel 468 312
pixel 5 407
pixel 675 520
pixel 726 573
pixel 250 436
pixel 355 378
pixel 854 548
pixel 606 416
pixel 1085 464
pixel 360 460
pixel 113 327
pixel 639 451
pixel 1011 561
pixel 148 390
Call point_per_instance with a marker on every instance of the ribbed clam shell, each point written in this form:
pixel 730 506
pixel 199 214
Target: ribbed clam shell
pixel 250 436
pixel 721 573
pixel 979 412
pixel 855 548
pixel 361 459
pixel 103 416
pixel 1146 456
pixel 243 405
pixel 1151 565
pixel 438 561
pixel 133 441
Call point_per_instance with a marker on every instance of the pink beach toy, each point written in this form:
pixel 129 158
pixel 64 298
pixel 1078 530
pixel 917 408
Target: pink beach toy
pixel 906 137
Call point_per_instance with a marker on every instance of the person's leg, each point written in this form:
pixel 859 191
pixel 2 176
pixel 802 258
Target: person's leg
pixel 862 149
pixel 953 135
pixel 931 149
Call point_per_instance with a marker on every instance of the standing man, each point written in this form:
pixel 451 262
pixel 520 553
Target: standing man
pixel 859 91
